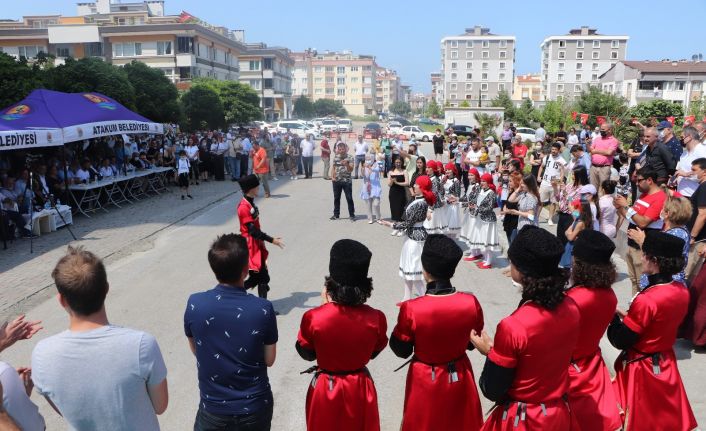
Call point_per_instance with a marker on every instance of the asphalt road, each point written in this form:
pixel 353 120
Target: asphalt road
pixel 148 290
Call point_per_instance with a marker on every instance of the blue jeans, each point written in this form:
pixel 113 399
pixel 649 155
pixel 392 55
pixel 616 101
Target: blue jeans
pixel 234 167
pixel 258 421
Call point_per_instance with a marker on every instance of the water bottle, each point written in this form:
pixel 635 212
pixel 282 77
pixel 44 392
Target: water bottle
pixel 58 202
pixel 47 206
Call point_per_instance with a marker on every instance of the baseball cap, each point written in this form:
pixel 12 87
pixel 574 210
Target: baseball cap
pixel 489 139
pixel 664 124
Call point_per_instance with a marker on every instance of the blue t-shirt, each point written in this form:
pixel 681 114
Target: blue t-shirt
pixel 230 329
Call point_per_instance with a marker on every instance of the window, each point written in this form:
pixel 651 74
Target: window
pixel 453 97
pixel 128 49
pixel 501 86
pixel 454 55
pixel 560 77
pixel 329 79
pixel 484 76
pixel 453 85
pixel 560 87
pixel 615 44
pixel 340 69
pixel 329 90
pixel 267 64
pixel 502 65
pixel 453 43
pixel 454 76
pixel 469 55
pixel 483 97
pixel 562 66
pixel 579 55
pixel 469 87
pixel 255 83
pixel 503 54
pixel 164 48
pixel 562 44
pixel 577 88
pixel 341 92
pixel 594 77
pixel 318 80
pixel 484 87
pixel 254 65
pixel 340 81
pixel 93 49
pixel 367 68
pixel 596 43
pixel 63 51
pixel 594 66
pixel 562 55
pixel 469 76
pixel 354 80
pixel 486 44
pixel 268 84
pixel 503 43
pixel 485 54
pixel 329 69
pixel 614 55
pixel 595 55
pixel 578 77
pixel 501 76
pixel 469 65
pixel 354 68
pixel 318 69
pixel 484 66
pixel 454 65
pixel 355 91
pixel 579 66
pixel 469 44
pixel 579 44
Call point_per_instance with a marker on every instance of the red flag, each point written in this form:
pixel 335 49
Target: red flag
pixel 584 118
pixel 600 119
pixel 671 120
pixel 690 118
pixel 573 115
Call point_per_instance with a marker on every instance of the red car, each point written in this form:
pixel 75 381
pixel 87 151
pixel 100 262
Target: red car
pixel 372 131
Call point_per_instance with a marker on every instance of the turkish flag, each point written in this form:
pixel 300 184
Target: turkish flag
pixel 573 115
pixel 690 118
pixel 671 120
pixel 600 119
pixel 584 118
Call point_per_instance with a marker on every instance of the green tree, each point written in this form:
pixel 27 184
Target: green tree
pixel 326 107
pixel 697 108
pixel 94 75
pixel 240 102
pixel 303 108
pixel 433 109
pixel 525 114
pixel 202 108
pixel 155 96
pixel 595 102
pixel 553 114
pixel 400 108
pixel 17 80
pixel 657 109
pixel 503 100
pixel 464 104
pixel 487 123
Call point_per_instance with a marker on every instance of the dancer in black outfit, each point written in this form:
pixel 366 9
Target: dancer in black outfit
pixel 398 182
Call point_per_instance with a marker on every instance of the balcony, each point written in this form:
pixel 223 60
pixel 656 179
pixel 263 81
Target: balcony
pixel 649 94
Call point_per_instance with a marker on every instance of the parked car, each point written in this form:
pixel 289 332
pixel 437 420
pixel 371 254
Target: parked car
pixel 345 125
pixel 262 125
pixel 462 130
pixel 429 122
pixel 372 129
pixel 318 121
pixel 415 132
pixel 526 133
pixel 297 127
pixel 394 127
pixel 328 125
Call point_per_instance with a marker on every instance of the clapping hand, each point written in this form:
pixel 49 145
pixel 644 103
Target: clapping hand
pixel 26 377
pixel 18 329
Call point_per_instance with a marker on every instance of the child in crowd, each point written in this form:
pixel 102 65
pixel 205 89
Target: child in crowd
pixel 583 219
pixel 623 186
pixel 183 168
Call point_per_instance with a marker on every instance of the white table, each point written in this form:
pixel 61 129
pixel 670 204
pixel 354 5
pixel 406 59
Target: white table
pixel 50 220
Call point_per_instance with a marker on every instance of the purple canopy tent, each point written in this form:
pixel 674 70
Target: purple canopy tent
pixel 48 118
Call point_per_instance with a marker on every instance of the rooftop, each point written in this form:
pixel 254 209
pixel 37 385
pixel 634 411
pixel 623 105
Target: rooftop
pixel 667 66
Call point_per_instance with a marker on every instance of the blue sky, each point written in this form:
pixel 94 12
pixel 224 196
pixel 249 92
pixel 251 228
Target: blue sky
pixel 405 35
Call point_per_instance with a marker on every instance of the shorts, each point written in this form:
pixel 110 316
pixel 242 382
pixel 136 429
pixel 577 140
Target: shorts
pixel 184 180
pixel 546 193
pixel 438 148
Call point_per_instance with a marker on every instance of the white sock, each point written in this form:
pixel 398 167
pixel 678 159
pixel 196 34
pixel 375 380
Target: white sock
pixel 419 288
pixel 408 284
pixel 475 251
pixel 488 256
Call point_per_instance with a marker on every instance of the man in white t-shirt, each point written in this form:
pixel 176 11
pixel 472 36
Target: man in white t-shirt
pixel 361 149
pixel 551 172
pixel 473 157
pixel 96 375
pixel 688 183
pixel 307 146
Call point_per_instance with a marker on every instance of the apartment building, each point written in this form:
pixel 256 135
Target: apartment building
pixel 387 89
pixel 302 75
pixel 181 46
pixel 574 61
pixel 476 66
pixel 527 87
pixel 437 88
pixel 641 81
pixel 269 71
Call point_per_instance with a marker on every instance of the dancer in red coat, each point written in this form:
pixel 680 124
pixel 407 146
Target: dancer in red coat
pixel 594 406
pixel 249 216
pixel 526 370
pixel 343 335
pixel 649 385
pixel 441 392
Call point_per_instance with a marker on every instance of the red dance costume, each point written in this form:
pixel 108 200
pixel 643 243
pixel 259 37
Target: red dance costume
pixel 441 393
pixel 248 213
pixel 342 394
pixel 537 343
pixel 594 406
pixel 649 385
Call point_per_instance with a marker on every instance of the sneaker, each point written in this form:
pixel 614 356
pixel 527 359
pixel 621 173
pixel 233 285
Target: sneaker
pixel 484 265
pixel 352 218
pixel 400 233
pixel 335 217
pixel 267 195
pixel 275 179
pixel 182 197
pixel 550 222
pixel 29 235
pixel 189 196
pixel 473 258
pixel 370 221
pixel 394 233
